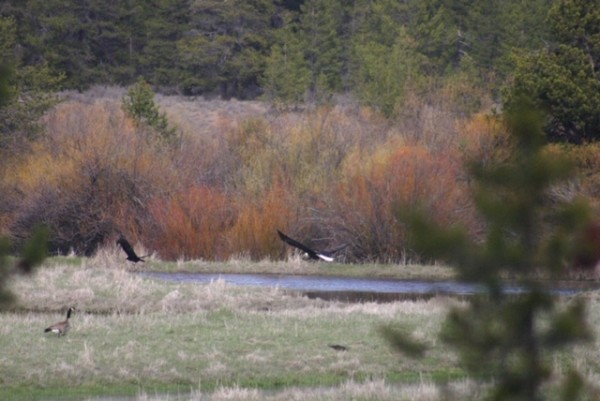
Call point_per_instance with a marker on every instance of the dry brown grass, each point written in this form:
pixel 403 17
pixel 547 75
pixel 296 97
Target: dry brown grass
pixel 377 390
pixel 103 285
pixel 227 342
pixel 129 329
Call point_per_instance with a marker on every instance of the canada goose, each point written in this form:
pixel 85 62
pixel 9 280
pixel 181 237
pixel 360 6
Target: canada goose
pixel 61 328
pixel 327 256
pixel 131 255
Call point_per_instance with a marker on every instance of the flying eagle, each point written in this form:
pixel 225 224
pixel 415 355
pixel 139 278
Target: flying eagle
pixel 128 249
pixel 327 256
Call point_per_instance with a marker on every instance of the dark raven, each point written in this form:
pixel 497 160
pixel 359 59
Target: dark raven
pixel 327 256
pixel 131 255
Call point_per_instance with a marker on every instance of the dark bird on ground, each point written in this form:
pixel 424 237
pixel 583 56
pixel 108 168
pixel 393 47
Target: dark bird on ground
pixel 61 328
pixel 338 347
pixel 327 256
pixel 128 249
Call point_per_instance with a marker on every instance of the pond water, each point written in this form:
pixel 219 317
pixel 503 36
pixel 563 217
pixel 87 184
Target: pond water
pixel 323 285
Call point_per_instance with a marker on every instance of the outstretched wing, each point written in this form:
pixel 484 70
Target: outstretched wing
pixel 298 245
pixel 332 252
pixel 128 249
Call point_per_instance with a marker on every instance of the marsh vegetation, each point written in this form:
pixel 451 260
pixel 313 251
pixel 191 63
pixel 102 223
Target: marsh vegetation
pixel 148 339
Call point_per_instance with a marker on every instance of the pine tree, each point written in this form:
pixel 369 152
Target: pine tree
pixel 564 77
pixel 440 34
pixel 139 104
pixel 227 45
pixel 384 74
pixel 29 92
pixel 320 27
pixel 162 23
pixel 287 76
pixel 388 63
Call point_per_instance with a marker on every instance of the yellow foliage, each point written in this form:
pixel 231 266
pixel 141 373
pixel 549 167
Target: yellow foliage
pixel 92 168
pixel 484 138
pixel 40 167
pixel 332 172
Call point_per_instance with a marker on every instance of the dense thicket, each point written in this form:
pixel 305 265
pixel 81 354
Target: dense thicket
pixel 563 77
pixel 220 186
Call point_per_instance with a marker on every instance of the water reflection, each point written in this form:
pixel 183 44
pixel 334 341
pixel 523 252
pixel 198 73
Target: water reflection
pixel 345 284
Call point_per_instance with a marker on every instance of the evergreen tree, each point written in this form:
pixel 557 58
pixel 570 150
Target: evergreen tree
pixel 211 46
pixel 488 28
pixel 139 104
pixel 386 73
pixel 287 76
pixel 563 78
pixel 62 40
pixel 440 32
pixel 526 21
pixel 227 45
pixel 163 23
pixel 386 58
pixel 29 92
pixel 115 40
pixel 320 29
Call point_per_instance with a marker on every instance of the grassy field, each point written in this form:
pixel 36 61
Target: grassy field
pixel 149 340
pixel 112 257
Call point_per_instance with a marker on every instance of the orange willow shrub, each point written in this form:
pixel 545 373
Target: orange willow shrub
pixel 331 173
pixel 205 223
pixel 89 178
pixel 190 224
pixel 255 230
pixel 367 201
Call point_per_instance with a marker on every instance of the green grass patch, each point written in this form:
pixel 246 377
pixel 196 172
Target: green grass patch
pixel 113 258
pixel 79 392
pixel 64 261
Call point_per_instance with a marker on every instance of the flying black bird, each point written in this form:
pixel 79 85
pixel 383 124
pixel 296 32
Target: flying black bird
pixel 338 347
pixel 131 255
pixel 327 256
